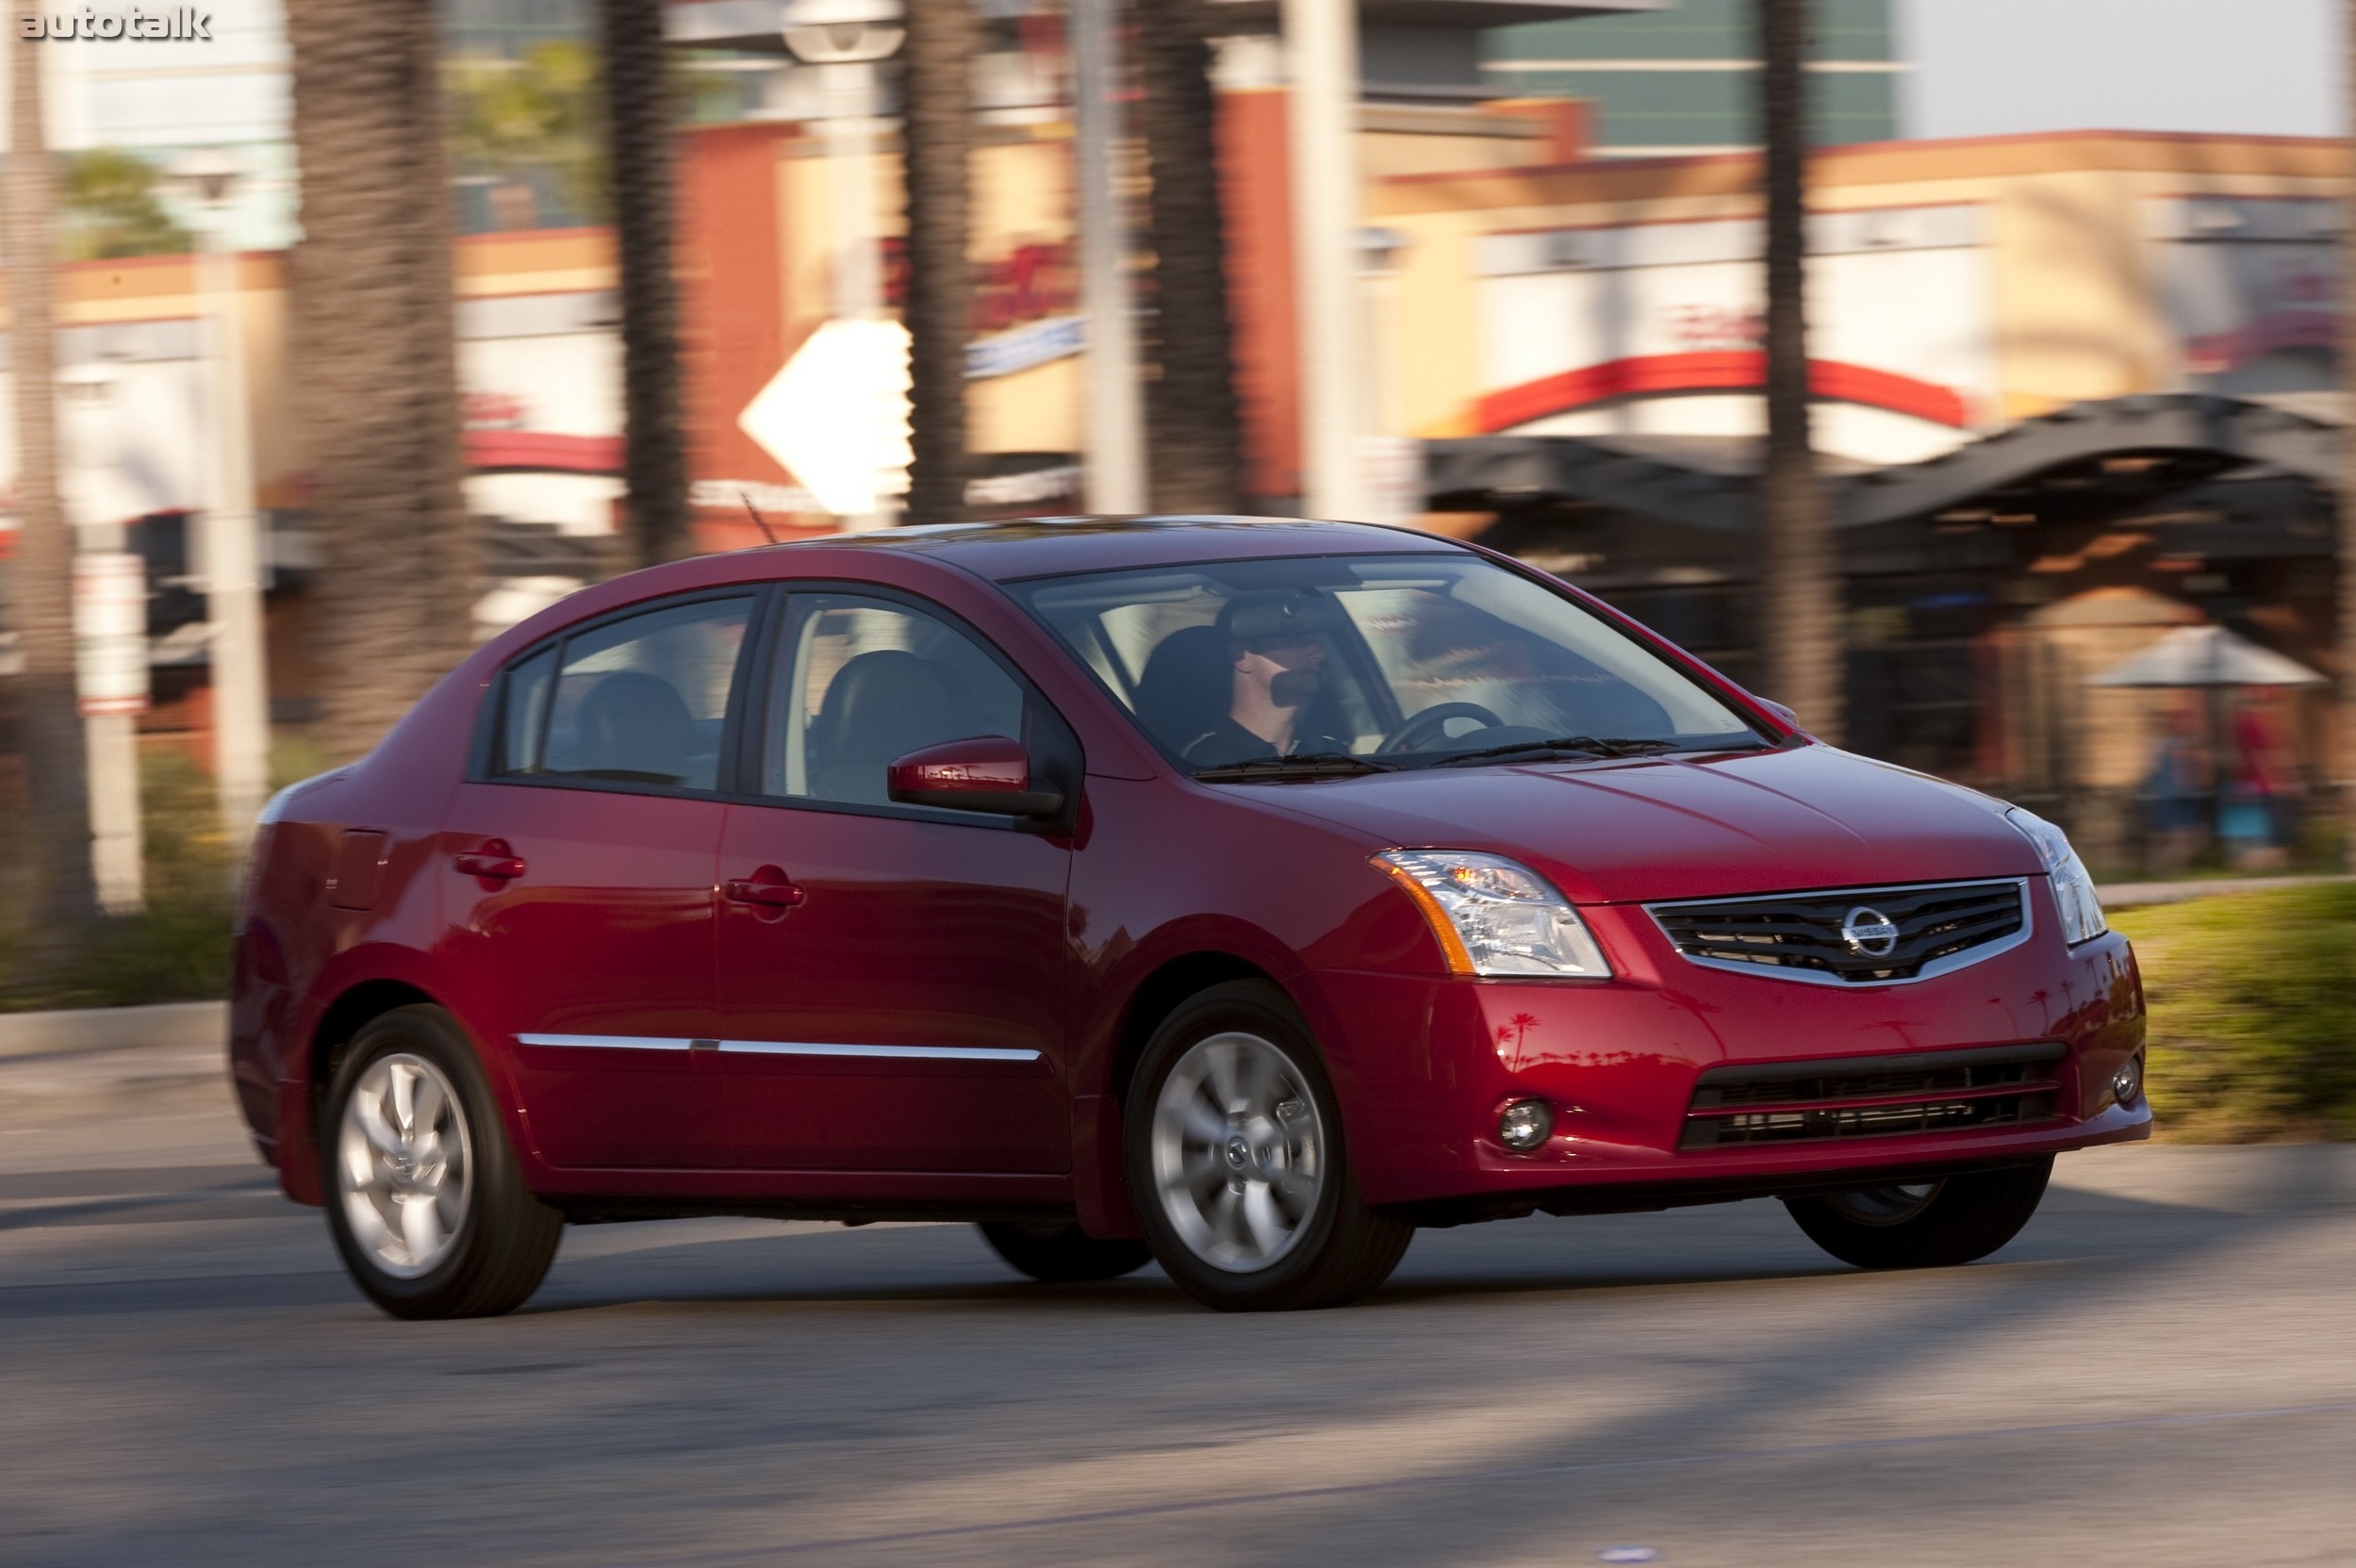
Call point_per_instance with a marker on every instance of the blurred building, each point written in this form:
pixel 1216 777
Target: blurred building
pixel 2070 391
pixel 1682 77
pixel 756 208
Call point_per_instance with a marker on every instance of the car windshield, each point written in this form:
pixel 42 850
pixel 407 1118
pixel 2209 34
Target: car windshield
pixel 1329 666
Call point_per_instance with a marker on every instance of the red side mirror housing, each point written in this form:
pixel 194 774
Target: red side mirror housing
pixel 986 773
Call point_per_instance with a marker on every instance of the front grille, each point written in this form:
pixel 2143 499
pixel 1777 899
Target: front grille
pixel 1801 935
pixel 1873 1097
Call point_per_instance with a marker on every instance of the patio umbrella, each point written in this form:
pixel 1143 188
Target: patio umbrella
pixel 2207 656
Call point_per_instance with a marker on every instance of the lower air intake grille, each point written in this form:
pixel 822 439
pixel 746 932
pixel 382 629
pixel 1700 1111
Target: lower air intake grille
pixel 1873 1097
pixel 1851 937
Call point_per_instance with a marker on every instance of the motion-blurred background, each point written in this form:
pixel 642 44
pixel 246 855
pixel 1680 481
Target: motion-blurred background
pixel 1965 373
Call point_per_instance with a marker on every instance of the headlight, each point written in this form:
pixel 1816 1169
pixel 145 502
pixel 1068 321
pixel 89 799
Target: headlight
pixel 1496 916
pixel 2073 889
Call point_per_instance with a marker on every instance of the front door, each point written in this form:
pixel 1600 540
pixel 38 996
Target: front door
pixel 892 979
pixel 583 871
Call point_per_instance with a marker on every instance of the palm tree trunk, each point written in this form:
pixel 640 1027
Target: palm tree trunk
pixel 2346 758
pixel 374 362
pixel 56 830
pixel 639 127
pixel 942 41
pixel 1193 427
pixel 1801 608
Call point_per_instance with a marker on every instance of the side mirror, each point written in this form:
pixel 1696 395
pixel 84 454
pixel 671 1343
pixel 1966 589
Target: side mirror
pixel 986 773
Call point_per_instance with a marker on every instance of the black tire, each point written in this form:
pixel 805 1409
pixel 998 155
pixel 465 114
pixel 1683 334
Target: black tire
pixel 1958 1220
pixel 1061 1253
pixel 1339 1250
pixel 496 1240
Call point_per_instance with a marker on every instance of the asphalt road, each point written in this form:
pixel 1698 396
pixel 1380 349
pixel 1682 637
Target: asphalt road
pixel 2162 1370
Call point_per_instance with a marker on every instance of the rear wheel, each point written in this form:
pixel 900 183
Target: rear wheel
pixel 1062 1253
pixel 425 1198
pixel 1927 1225
pixel 1238 1165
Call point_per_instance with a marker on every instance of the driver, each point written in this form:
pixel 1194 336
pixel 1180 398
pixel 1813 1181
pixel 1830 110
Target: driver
pixel 1276 655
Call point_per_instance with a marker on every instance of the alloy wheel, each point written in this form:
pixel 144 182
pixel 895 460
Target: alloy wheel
pixel 405 1164
pixel 1239 1151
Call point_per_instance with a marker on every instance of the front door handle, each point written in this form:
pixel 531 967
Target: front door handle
pixel 494 862
pixel 765 889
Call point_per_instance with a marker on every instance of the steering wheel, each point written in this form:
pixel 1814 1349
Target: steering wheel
pixel 1419 733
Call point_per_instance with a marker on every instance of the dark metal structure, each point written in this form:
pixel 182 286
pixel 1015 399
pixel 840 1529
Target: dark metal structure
pixel 1954 571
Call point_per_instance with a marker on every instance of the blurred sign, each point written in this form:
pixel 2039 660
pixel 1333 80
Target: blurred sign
pixel 1039 343
pixel 110 631
pixel 2252 286
pixel 1654 328
pixel 836 416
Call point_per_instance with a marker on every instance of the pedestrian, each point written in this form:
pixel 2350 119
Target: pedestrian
pixel 2253 819
pixel 2174 794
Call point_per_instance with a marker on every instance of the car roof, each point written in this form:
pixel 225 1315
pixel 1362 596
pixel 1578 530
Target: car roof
pixel 1046 547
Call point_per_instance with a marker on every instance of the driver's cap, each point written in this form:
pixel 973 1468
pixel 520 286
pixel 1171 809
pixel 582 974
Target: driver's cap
pixel 1276 619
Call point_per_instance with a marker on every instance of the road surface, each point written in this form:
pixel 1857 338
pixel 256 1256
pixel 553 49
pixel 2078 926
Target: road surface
pixel 2162 1370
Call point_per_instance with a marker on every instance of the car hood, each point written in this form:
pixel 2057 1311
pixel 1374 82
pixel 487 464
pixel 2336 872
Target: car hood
pixel 1686 827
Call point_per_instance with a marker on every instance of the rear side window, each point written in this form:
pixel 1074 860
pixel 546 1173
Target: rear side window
pixel 524 712
pixel 639 700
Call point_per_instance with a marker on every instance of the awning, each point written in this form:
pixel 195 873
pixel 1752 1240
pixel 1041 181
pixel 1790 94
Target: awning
pixel 2207 656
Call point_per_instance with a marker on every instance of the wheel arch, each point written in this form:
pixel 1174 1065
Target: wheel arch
pixel 300 1098
pixel 1161 992
pixel 351 1012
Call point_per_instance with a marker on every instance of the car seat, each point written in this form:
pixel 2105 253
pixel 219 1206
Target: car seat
pixel 1187 687
pixel 636 725
pixel 879 706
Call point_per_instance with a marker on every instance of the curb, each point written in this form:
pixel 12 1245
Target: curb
pixel 91 1029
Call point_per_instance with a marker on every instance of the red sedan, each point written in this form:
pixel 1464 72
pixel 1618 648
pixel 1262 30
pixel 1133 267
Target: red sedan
pixel 1239 895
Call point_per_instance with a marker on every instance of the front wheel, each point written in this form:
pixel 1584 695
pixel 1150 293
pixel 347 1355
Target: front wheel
pixel 1928 1225
pixel 425 1198
pixel 1238 1165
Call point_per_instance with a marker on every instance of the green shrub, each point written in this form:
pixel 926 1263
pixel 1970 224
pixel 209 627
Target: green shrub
pixel 178 949
pixel 2254 1012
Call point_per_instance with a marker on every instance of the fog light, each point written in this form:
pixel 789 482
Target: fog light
pixel 1526 1125
pixel 2126 1083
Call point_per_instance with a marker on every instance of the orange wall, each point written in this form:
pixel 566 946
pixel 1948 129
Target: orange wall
pixel 731 261
pixel 1255 174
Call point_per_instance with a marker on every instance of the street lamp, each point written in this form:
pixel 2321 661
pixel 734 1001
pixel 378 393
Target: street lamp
pixel 231 557
pixel 110 638
pixel 1116 434
pixel 1321 46
pixel 845 40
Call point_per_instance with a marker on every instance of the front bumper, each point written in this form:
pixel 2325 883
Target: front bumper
pixel 1424 1065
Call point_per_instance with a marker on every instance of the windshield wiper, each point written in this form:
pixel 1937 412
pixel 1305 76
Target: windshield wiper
pixel 1307 764
pixel 1563 746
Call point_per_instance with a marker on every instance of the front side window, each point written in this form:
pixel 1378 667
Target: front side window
pixel 1415 660
pixel 861 683
pixel 639 700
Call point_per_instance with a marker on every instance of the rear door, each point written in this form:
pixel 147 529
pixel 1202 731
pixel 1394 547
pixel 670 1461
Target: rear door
pixel 583 864
pixel 893 980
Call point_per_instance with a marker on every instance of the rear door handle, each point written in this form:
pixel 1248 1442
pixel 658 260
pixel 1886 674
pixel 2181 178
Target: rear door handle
pixel 767 889
pixel 494 862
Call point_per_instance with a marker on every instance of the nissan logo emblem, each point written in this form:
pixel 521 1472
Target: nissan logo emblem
pixel 1869 931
